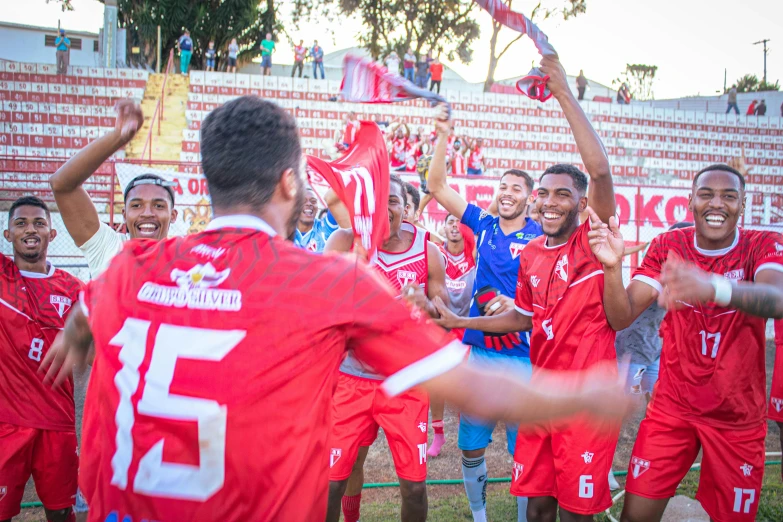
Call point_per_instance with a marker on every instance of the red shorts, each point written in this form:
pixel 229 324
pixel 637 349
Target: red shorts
pixel 732 464
pixel 360 407
pixel 775 409
pixel 569 460
pixel 49 456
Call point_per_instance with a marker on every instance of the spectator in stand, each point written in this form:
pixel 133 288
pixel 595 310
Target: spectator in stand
pixel 210 55
pixel 732 104
pixel 581 84
pixel 317 54
pixel 393 63
pixel 476 164
pixel 397 137
pixel 436 72
pixel 233 51
pixel 267 48
pixel 624 94
pixel 422 72
pixel 300 53
pixel 351 126
pixel 458 159
pixel 751 108
pixel 63 46
pixel 185 46
pixel 409 64
pixel 761 109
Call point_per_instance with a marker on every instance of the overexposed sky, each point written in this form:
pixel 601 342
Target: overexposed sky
pixel 691 41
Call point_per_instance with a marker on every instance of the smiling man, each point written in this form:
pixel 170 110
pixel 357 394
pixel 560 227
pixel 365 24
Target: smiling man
pixel 149 199
pixel 562 466
pixel 37 424
pixel 720 284
pixel 311 232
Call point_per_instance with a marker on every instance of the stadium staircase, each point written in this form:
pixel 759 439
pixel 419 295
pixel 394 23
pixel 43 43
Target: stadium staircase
pixel 167 145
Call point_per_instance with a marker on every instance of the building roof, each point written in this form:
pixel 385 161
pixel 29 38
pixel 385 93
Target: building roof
pixel 52 30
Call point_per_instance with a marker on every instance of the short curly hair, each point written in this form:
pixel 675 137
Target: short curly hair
pixel 246 146
pixel 579 178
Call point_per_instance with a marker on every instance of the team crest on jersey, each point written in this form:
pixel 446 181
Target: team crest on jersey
pixel 60 303
pixel 334 456
pixel 561 268
pixel 312 246
pixel 3 491
pixel 534 280
pixel 746 469
pixel 405 277
pixel 200 276
pixel 735 275
pixel 777 403
pixel 518 469
pixel 639 466
pixel 516 249
pixel 588 456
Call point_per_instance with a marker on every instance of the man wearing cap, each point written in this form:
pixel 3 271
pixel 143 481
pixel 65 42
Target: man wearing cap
pixel 63 45
pixel 149 199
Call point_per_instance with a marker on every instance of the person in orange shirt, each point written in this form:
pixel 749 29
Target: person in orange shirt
pixel 436 72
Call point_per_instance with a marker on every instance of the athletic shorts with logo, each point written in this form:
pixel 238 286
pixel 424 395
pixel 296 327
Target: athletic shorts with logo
pixel 732 464
pixel 569 460
pixel 360 408
pixel 49 456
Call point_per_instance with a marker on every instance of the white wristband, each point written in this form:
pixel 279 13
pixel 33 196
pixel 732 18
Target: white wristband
pixel 723 288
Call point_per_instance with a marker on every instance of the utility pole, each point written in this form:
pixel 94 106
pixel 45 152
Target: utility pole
pixel 766 51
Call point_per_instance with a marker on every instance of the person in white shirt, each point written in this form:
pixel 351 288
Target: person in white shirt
pixel 149 199
pixel 393 63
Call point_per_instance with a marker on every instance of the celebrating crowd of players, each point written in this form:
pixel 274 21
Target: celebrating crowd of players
pixel 237 376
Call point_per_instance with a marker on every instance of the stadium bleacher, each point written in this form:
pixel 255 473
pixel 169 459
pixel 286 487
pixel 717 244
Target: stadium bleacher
pixel 644 143
pixel 48 115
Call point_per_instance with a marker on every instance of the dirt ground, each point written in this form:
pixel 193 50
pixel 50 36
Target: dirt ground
pixel 380 468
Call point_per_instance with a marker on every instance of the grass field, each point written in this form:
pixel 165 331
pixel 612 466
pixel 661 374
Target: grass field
pixel 448 503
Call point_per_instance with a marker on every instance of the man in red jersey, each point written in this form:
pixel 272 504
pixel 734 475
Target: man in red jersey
pixel 719 283
pixel 37 424
pixel 415 269
pixel 559 294
pixel 211 392
pixel 775 407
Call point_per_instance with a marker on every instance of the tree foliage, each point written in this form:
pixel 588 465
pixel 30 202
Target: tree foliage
pixel 445 25
pixel 751 83
pixel 567 9
pixel 639 78
pixel 220 20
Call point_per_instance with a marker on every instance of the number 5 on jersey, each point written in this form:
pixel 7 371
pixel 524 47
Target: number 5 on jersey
pixel 155 477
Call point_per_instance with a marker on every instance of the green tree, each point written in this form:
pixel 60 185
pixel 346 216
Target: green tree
pixel 569 9
pixel 442 25
pixel 639 78
pixel 220 20
pixel 751 83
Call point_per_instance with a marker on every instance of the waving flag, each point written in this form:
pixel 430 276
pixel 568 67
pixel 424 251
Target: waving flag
pixel 365 81
pixel 534 84
pixel 360 178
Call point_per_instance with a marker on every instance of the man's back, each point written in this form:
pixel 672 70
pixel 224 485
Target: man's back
pixel 216 355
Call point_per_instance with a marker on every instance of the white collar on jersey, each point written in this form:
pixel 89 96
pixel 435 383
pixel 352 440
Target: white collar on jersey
pixel 722 251
pixel 241 221
pixel 38 275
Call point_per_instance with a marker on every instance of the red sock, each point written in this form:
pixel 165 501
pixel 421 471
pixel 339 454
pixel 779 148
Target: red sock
pixel 351 507
pixel 437 427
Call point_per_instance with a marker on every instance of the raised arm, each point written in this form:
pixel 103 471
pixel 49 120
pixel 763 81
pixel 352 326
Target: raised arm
pixel 621 305
pixel 437 182
pixel 338 209
pixel 76 208
pixel 601 192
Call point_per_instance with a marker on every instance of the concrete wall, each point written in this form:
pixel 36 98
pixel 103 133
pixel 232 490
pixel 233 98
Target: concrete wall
pixel 26 44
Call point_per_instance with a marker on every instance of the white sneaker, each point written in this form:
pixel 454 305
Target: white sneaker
pixel 613 484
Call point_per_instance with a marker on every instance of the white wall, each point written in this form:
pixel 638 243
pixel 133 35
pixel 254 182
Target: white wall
pixel 22 44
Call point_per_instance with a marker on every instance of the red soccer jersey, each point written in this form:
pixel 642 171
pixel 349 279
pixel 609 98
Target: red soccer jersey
pixel 475 158
pixel 34 310
pixel 562 288
pixel 458 165
pixel 216 358
pixel 399 152
pixel 712 361
pixel 410 266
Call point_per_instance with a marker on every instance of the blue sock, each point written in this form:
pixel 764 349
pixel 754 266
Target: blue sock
pixel 521 509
